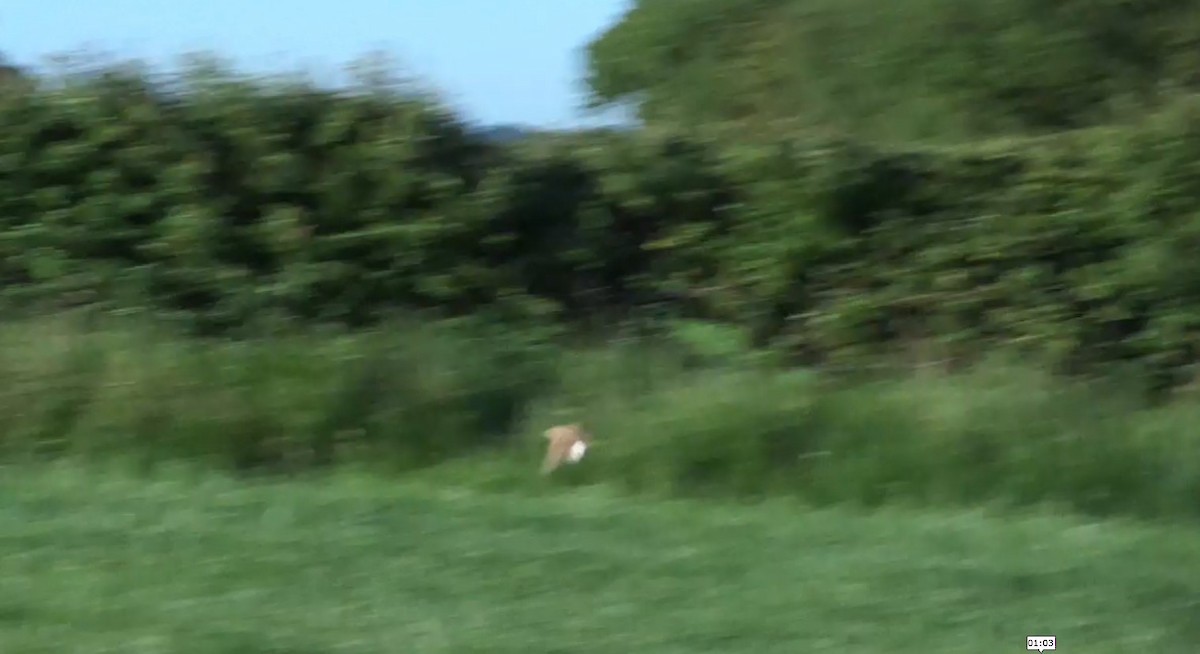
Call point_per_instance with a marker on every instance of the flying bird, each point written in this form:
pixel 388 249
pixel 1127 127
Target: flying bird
pixel 567 444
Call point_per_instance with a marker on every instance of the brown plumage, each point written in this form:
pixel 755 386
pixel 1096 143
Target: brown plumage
pixel 567 444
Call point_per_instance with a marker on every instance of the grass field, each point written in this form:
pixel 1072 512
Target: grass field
pixel 192 563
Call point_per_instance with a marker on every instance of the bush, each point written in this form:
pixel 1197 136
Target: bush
pixel 233 204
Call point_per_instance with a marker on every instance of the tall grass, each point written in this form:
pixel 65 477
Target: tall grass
pixel 411 397
pixel 465 399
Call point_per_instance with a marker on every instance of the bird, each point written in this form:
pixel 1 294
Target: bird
pixel 567 444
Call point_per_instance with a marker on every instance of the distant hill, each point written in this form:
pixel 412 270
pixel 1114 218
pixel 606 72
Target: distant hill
pixel 504 134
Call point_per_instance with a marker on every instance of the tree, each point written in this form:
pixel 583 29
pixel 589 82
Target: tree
pixel 924 69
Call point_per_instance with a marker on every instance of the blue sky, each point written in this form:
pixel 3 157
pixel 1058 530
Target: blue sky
pixel 497 61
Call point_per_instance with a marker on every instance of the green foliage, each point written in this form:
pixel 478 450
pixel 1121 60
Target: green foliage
pixel 410 397
pixel 1001 434
pixel 925 69
pixel 376 284
pixel 224 199
pixel 234 204
pixel 468 401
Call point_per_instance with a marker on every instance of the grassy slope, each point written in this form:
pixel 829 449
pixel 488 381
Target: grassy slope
pixel 95 562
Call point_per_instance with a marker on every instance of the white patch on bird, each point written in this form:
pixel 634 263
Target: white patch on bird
pixel 576 451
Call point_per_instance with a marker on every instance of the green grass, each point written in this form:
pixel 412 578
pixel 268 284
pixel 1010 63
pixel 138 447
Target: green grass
pixel 195 563
pixel 693 417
